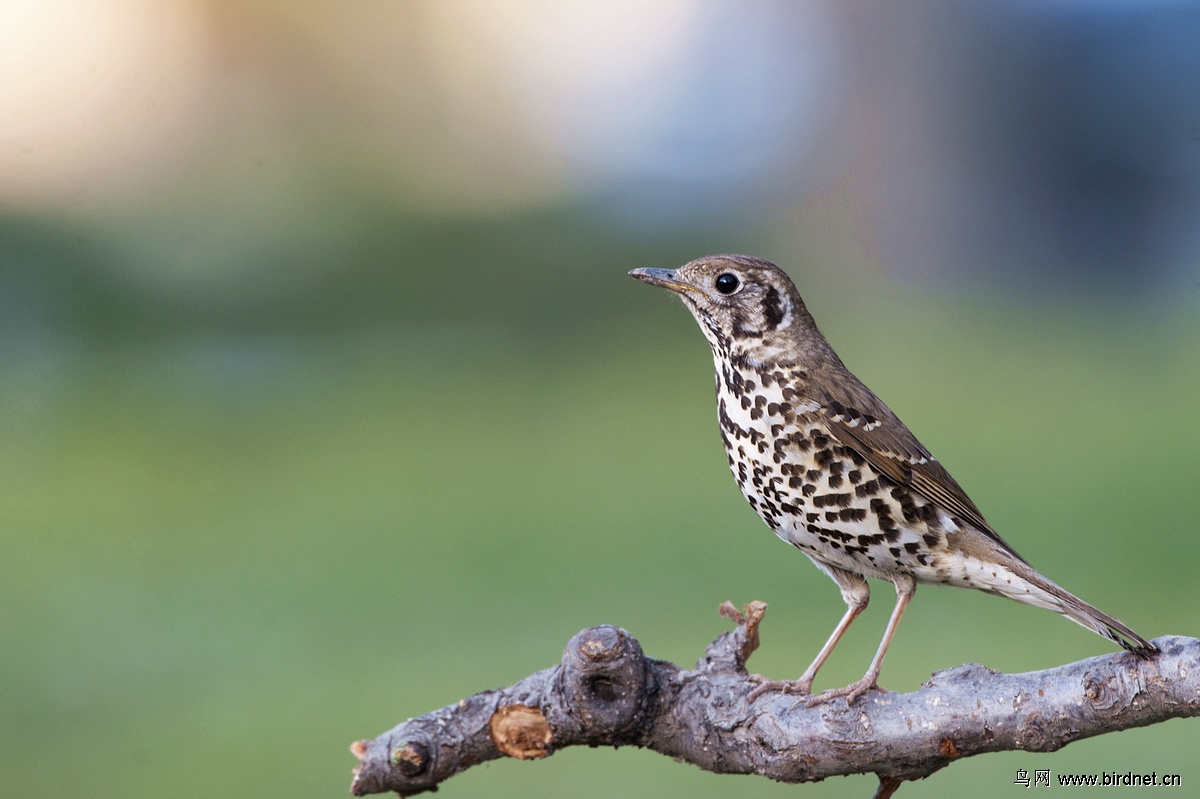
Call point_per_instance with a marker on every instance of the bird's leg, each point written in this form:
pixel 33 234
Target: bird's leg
pixel 855 593
pixel 905 588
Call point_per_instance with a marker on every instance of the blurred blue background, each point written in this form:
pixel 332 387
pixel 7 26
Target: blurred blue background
pixel 325 400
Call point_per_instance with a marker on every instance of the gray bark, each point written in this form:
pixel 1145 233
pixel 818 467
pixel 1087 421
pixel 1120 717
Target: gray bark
pixel 606 692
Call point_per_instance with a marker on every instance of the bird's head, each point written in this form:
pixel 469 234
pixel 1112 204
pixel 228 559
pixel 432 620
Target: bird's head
pixel 746 306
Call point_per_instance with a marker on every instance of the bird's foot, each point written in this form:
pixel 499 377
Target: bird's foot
pixel 852 691
pixel 800 686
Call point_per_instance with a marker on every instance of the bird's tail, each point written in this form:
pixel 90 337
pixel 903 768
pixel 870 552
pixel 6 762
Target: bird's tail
pixel 1080 612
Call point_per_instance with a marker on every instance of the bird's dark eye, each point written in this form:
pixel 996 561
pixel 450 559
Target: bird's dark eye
pixel 727 283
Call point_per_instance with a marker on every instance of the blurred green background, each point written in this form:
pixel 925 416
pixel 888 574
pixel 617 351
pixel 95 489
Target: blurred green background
pixel 325 400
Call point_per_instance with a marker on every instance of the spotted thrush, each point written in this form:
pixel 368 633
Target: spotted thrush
pixel 835 473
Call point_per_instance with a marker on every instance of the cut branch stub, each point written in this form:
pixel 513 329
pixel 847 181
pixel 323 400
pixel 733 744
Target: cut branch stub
pixel 411 758
pixel 520 731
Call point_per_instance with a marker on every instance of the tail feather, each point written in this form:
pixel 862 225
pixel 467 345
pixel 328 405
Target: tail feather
pixel 1111 628
pixel 1093 618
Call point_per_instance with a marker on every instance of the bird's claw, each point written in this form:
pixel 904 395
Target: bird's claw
pixel 852 691
pixel 783 686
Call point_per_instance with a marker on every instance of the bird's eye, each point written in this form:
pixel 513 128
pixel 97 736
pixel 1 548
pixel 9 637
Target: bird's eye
pixel 727 283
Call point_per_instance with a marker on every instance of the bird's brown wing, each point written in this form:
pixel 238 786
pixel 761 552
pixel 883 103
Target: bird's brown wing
pixel 859 420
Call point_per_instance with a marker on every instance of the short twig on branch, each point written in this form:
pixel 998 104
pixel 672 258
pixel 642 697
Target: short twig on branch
pixel 606 692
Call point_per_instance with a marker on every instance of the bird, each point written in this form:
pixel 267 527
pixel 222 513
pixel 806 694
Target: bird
pixel 836 474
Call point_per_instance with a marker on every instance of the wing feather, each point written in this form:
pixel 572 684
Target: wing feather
pixel 859 420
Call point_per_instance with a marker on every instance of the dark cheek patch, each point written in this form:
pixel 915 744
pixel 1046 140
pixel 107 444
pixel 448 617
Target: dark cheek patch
pixel 772 308
pixel 738 326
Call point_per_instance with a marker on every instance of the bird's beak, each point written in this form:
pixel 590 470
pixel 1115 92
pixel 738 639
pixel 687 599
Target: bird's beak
pixel 661 277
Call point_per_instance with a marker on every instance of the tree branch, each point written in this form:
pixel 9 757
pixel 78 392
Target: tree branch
pixel 606 692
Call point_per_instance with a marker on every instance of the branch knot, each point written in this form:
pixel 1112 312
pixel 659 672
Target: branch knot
pixel 607 687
